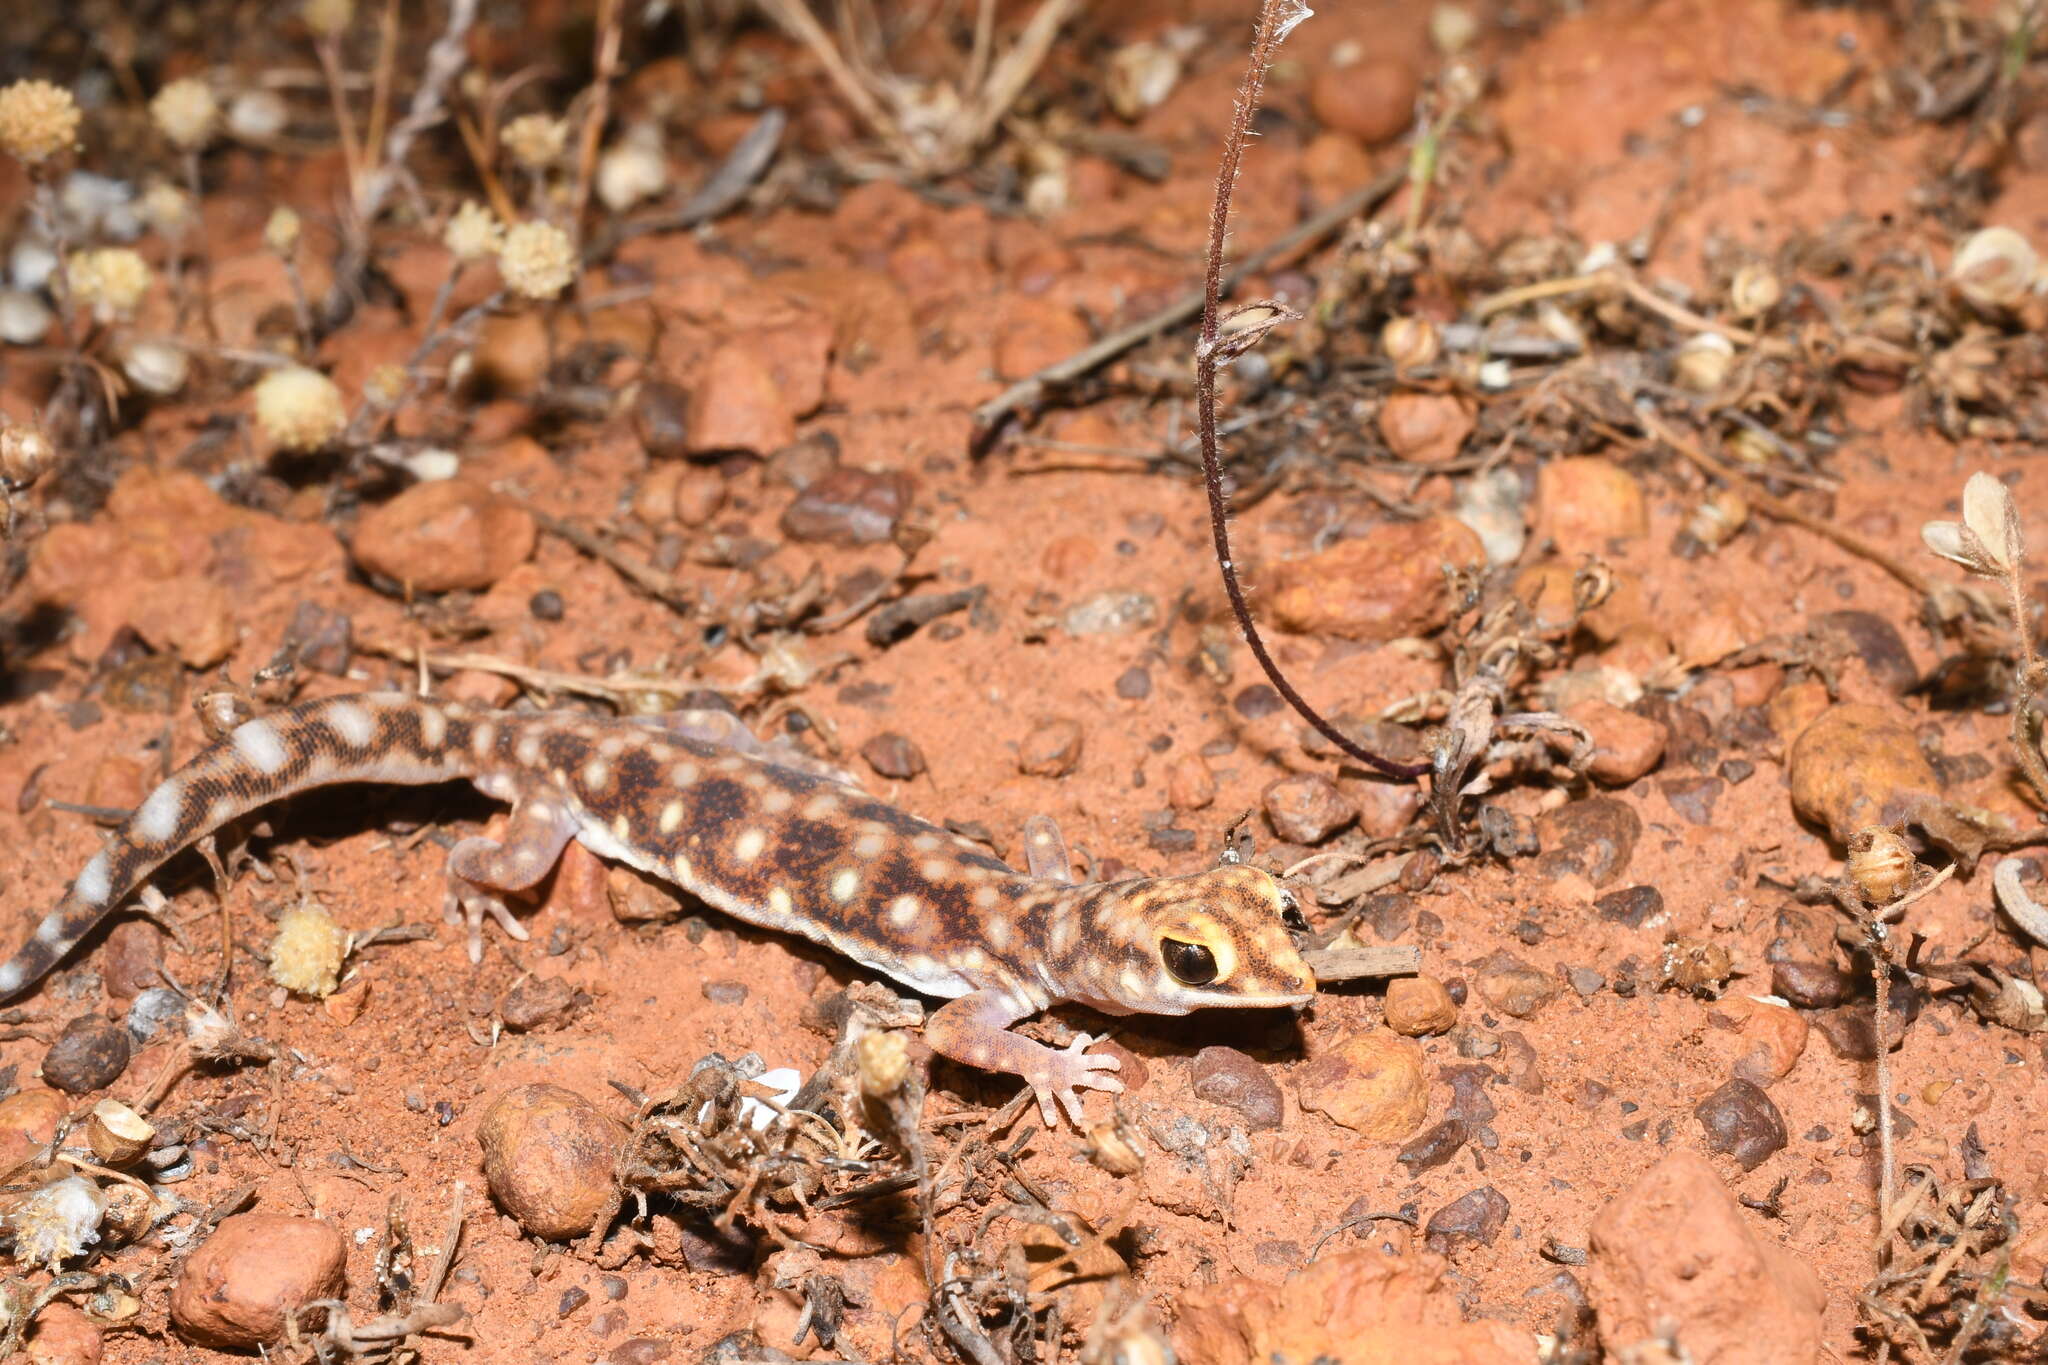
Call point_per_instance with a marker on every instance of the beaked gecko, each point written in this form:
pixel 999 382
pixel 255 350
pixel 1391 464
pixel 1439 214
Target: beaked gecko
pixel 772 839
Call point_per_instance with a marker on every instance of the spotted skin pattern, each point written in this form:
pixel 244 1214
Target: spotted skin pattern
pixel 770 838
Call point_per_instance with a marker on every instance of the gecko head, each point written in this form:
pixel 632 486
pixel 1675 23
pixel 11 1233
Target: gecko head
pixel 1168 945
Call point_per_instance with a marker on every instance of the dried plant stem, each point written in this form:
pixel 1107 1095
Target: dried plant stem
pixel 1272 27
pixel 445 60
pixel 618 691
pixel 606 63
pixel 1784 511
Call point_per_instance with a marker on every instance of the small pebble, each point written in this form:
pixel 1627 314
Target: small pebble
pixel 548 1158
pixel 1258 701
pixel 1475 1220
pixel 893 756
pixel 1693 797
pixel 1111 613
pixel 572 1299
pixel 444 535
pixel 1225 1076
pixel 725 992
pixel 1051 750
pixel 641 1351
pixel 1585 980
pixel 237 1289
pixel 661 419
pixel 132 960
pixel 1740 1120
pixel 1425 428
pixel 1858 765
pixel 538 1003
pixel 1625 745
pixel 1513 986
pixel 1134 684
pixel 1435 1146
pixel 1633 906
pixel 1595 837
pixel 1189 783
pixel 1307 808
pixel 1418 1006
pixel 90 1054
pixel 1372 1083
pixel 546 605
pixel 1372 100
pixel 849 508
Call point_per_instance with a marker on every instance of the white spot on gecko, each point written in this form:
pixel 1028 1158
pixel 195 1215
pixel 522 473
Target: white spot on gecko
pixel 10 979
pixel 257 741
pixel 748 846
pixel 596 773
pixel 528 751
pixel 869 845
pixel 91 886
pixel 779 901
pixel 482 738
pixel 671 817
pixel 433 727
pixel 353 723
pixel 845 882
pixel 985 897
pixel 777 801
pixel 157 818
pixel 683 774
pixel 904 910
pixel 50 931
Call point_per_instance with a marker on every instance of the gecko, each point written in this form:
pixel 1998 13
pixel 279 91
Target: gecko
pixel 771 837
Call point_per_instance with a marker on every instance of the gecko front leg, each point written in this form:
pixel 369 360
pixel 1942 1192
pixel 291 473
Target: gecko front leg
pixel 975 1029
pixel 481 870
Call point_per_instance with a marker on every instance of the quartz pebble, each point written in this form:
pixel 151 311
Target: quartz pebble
pixel 1307 808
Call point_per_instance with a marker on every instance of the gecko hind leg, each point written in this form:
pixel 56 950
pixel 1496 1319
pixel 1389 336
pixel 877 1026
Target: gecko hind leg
pixel 481 871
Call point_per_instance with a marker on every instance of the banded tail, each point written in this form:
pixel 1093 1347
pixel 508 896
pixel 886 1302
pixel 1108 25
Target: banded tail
pixel 376 737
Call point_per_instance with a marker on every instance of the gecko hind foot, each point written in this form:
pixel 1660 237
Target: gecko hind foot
pixel 469 904
pixel 1056 1078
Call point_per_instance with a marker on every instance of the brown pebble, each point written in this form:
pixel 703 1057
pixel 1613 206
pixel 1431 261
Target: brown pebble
pixel 1189 783
pixel 849 508
pixel 637 898
pixel 1372 1083
pixel 1134 684
pixel 236 1291
pixel 1385 808
pixel 1473 1220
pixel 1425 428
pixel 1625 745
pixel 1584 501
pixel 1595 838
pixel 893 756
pixel 1307 808
pixel 1225 1076
pixel 1514 987
pixel 442 536
pixel 1372 100
pixel 1434 1146
pixel 1377 587
pixel 90 1054
pixel 661 419
pixel 1693 797
pixel 739 406
pixel 1740 1120
pixel 1858 765
pixel 640 1351
pixel 541 1003
pixel 1773 1037
pixel 548 1158
pixel 62 1335
pixel 28 1119
pixel 132 962
pixel 1418 1006
pixel 1053 749
pixel 1633 906
pixel 725 992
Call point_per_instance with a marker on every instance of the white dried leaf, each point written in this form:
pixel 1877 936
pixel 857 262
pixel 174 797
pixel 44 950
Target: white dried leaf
pixel 1291 13
pixel 1989 512
pixel 1958 544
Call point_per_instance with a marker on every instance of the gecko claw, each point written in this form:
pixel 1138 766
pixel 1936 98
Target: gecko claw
pixel 468 905
pixel 1069 1070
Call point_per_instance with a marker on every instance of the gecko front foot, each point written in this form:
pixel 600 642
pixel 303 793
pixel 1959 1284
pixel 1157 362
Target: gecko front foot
pixel 1055 1076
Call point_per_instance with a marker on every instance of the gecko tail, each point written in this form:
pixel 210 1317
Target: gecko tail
pixel 379 737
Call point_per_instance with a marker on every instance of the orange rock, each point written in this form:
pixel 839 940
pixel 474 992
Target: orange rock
pixel 438 537
pixel 1625 745
pixel 1189 783
pixel 1675 1251
pixel 1772 1036
pixel 1858 765
pixel 1425 428
pixel 1584 501
pixel 1796 707
pixel 511 352
pixel 1333 165
pixel 739 406
pixel 62 1335
pixel 1419 1005
pixel 1382 586
pixel 1372 1083
pixel 548 1157
pixel 28 1119
pixel 1360 1307
pixel 236 1290
pixel 1717 630
pixel 1373 100
pixel 1037 332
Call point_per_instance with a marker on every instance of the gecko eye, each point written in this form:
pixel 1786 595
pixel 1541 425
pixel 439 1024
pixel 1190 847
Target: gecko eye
pixel 1190 963
pixel 1290 913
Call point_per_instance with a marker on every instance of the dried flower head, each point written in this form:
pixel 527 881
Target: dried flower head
pixel 37 120
pixel 1881 865
pixel 473 233
pixel 1987 540
pixel 328 17
pixel 1994 268
pixel 57 1222
pixel 298 408
pixel 186 113
pixel 110 280
pixel 166 208
pixel 281 232
pixel 536 141
pixel 633 170
pixel 258 115
pixel 537 260
pixel 307 954
pixel 1703 363
pixel 385 385
pixel 25 454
